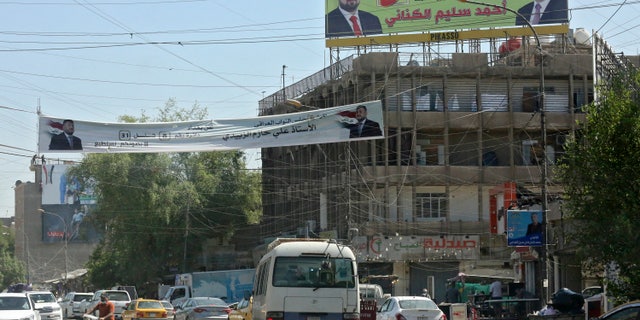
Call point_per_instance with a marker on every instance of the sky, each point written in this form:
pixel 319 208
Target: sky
pixel 97 60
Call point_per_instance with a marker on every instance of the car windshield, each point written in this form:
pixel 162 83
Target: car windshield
pixel 367 293
pixel 313 272
pixel 417 304
pixel 118 296
pixel 80 297
pixel 14 303
pixel 42 297
pixel 167 304
pixel 210 301
pixel 150 305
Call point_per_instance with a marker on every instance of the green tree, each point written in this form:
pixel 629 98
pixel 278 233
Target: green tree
pixel 601 176
pixel 151 206
pixel 11 269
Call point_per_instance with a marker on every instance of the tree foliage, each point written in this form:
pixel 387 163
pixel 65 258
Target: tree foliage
pixel 601 175
pixel 11 269
pixel 154 206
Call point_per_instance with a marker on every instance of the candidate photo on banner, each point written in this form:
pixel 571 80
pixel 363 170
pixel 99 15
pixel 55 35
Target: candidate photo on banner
pixel 525 228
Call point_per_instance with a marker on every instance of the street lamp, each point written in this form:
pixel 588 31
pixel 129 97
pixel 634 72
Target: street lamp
pixel 65 237
pixel 543 129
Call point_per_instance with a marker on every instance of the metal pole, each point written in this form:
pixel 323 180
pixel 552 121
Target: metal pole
pixel 543 129
pixel 186 237
pixel 284 95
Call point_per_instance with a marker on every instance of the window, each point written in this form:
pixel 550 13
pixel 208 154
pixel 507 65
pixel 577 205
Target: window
pixel 624 314
pixel 314 272
pixel 579 99
pixel 431 205
pixel 530 97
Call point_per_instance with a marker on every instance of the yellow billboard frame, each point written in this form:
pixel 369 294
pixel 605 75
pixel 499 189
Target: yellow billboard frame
pixel 445 36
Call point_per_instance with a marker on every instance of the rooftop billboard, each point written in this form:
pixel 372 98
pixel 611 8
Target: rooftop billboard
pixel 352 18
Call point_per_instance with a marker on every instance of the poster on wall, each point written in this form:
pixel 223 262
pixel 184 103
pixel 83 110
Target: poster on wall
pixel 68 223
pixel 66 207
pixel 525 228
pixel 59 188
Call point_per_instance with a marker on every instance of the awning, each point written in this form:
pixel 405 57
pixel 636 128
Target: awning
pixel 491 273
pixel 70 276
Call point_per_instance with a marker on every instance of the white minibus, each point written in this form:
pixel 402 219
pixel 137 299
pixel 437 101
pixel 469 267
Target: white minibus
pixel 306 279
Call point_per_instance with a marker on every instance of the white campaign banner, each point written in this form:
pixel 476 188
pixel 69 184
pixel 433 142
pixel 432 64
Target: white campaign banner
pixel 328 125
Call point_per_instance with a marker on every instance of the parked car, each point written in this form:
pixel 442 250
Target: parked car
pixel 409 308
pixel 242 311
pixel 46 304
pixel 133 293
pixel 17 306
pixel 201 308
pixel 171 310
pixel 70 304
pixel 627 311
pixel 144 309
pixel 591 291
pixel 120 299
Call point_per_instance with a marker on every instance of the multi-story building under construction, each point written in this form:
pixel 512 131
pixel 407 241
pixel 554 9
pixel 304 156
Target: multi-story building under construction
pixel 465 138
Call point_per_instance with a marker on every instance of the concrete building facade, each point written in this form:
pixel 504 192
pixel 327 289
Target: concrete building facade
pixel 460 129
pixel 56 265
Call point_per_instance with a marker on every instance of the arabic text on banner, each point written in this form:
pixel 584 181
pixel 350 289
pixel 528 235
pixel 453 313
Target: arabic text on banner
pixel 310 127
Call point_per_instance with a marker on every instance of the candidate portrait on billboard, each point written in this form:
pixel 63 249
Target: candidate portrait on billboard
pixel 525 228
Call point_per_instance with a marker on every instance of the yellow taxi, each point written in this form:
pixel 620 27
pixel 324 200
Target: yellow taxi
pixel 147 309
pixel 242 311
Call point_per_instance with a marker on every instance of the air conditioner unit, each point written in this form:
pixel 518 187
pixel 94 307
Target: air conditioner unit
pixel 561 139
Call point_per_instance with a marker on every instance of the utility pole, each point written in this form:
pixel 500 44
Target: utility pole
pixel 543 132
pixel 284 95
pixel 186 237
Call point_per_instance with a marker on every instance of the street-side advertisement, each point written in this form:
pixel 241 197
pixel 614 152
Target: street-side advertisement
pixel 66 209
pixel 401 248
pixel 377 17
pixel 362 121
pixel 525 228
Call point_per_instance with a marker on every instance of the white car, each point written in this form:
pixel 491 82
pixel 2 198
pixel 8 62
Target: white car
pixel 17 306
pixel 45 302
pixel 120 299
pixel 410 308
pixel 70 304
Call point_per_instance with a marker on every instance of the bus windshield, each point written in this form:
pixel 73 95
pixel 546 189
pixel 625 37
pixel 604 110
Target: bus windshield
pixel 313 272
